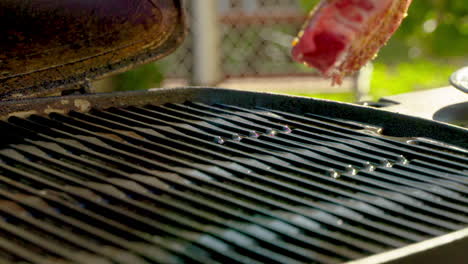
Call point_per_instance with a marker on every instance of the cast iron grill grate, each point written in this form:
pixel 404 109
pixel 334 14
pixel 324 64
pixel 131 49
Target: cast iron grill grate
pixel 202 183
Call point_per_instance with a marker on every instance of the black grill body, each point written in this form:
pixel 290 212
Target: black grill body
pixel 218 176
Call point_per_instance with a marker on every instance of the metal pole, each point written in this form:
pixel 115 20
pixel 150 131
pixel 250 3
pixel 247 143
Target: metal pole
pixel 206 44
pixel 362 83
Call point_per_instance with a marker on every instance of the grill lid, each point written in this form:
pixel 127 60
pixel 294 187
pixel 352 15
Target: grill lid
pixel 48 46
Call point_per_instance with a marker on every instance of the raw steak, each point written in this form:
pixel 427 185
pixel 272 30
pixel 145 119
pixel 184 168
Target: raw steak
pixel 341 36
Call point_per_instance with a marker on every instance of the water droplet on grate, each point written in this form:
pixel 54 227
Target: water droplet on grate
pixel 219 140
pixel 271 132
pixel 386 164
pixel 236 137
pixel 369 167
pixel 351 170
pixel 254 134
pixel 287 129
pixel 402 160
pixel 334 174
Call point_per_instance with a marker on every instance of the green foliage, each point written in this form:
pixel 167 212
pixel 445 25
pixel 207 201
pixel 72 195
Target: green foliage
pixel 343 97
pixel 308 4
pixel 434 28
pixel 409 76
pixel 402 78
pixel 142 78
pixel 429 46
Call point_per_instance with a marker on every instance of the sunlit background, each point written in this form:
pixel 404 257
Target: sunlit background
pixel 252 40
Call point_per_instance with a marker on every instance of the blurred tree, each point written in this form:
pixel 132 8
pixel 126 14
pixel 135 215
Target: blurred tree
pixel 437 27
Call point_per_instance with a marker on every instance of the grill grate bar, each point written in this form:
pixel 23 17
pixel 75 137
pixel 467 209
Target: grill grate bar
pixel 112 228
pixel 428 196
pixel 418 144
pixel 257 198
pixel 413 144
pixel 377 159
pixel 430 145
pixel 81 226
pixel 117 247
pixel 366 185
pixel 205 202
pixel 3 259
pixel 293 120
pixel 277 156
pixel 186 109
pixel 71 239
pixel 191 224
pixel 424 218
pixel 455 192
pixel 195 119
pixel 252 175
pixel 318 160
pixel 379 142
pixel 292 137
pixel 447 171
pixel 43 244
pixel 363 147
pixel 164 228
pixel 364 143
pixel 416 172
pixel 295 189
pixel 202 183
pixel 19 253
pixel 247 165
pixel 311 229
pixel 330 247
pixel 367 164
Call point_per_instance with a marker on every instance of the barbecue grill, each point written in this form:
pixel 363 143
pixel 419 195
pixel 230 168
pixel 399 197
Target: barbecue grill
pixel 205 175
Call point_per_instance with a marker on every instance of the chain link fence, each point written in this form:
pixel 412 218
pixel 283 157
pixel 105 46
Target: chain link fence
pixel 255 40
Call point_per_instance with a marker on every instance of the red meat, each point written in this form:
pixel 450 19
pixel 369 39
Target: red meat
pixel 341 36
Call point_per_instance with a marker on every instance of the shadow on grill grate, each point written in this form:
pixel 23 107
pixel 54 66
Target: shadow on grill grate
pixel 204 183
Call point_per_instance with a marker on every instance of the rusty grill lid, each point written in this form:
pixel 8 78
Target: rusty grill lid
pixel 49 46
